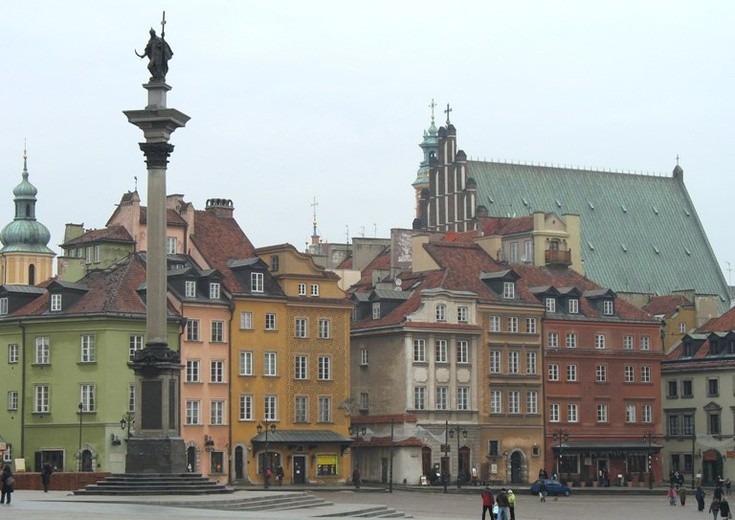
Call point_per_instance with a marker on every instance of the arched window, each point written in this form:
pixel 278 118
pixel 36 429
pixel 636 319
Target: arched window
pixel 32 274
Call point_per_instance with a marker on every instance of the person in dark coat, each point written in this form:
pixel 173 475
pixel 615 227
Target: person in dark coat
pixel 714 508
pixel 682 495
pixel 724 508
pixel 699 495
pixel 46 471
pixel 7 485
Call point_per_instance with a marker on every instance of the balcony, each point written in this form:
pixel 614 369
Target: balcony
pixel 558 258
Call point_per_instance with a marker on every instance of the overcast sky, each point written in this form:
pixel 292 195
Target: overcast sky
pixel 291 101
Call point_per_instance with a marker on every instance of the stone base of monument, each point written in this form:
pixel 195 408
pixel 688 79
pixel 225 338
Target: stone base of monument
pixel 155 455
pixel 154 484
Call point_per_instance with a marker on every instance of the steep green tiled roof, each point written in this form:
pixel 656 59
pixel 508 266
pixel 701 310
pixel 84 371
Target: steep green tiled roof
pixel 640 233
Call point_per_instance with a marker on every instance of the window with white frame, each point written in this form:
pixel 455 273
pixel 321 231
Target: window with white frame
pixel 192 412
pixel 325 409
pixel 463 398
pixel 246 363
pixel 514 402
pixel 300 328
pixel 531 326
pixel 13 401
pixel 419 351
pixel 55 303
pixel 13 350
pixel 645 374
pixel 572 373
pixel 554 412
pixel 256 282
pixel 87 349
pixel 364 401
pixel 190 289
pixel 553 340
pixel 553 372
pixel 496 358
pixel 647 413
pixel 531 364
pixel 601 373
pixel 494 323
pixel 463 314
pixel 301 409
pixel 270 321
pixel 324 368
pixel 573 306
pixel 442 398
pixel 376 310
pixel 324 328
pixel 571 340
pixel 269 364
pixel 192 370
pixel 550 305
pixel 513 362
pixel 246 407
pixel 363 357
pixel 89 254
pixel 217 412
pixel 246 320
pixel 301 367
pixel 441 351
pixel 509 290
pixel 630 413
pixel 496 401
pixel 315 289
pixel 599 341
pixel 4 306
pixel 441 312
pixel 87 398
pixel 572 413
pixel 463 352
pixel 602 413
pixel 628 342
pixel 682 327
pixel 608 309
pixel 218 331
pixel 513 324
pixel 270 407
pixel 170 245
pixel 645 342
pixel 41 399
pixel 135 343
pixel 629 374
pixel 192 330
pixel 97 251
pixel 419 397
pixel 301 289
pixel 131 398
pixel 217 371
pixel 42 351
pixel 532 402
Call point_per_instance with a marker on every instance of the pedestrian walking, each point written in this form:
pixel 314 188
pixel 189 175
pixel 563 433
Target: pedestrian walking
pixel 46 471
pixel 279 474
pixel 682 495
pixel 8 485
pixel 503 505
pixel 725 509
pixel 672 496
pixel 714 508
pixel 356 478
pixel 699 495
pixel 542 491
pixel 488 501
pixel 512 504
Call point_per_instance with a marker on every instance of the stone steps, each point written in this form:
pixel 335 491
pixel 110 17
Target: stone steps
pixel 147 484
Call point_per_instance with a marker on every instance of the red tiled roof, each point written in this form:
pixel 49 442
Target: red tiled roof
pixel 172 217
pixel 346 263
pixel 723 323
pixel 380 263
pixel 666 305
pixel 108 234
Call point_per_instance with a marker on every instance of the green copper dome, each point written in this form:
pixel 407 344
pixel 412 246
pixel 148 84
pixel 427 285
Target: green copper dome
pixel 25 234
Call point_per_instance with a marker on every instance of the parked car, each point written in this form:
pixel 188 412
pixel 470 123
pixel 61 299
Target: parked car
pixel 553 487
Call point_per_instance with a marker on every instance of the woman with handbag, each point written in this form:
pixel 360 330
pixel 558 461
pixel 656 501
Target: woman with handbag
pixel 725 508
pixel 8 483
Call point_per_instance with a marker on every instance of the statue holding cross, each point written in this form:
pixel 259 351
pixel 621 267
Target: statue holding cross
pixel 158 53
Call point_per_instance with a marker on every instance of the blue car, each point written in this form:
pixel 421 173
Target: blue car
pixel 553 487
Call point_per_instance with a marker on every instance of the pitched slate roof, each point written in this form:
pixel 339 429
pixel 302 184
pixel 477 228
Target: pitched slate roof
pixel 640 233
pixel 108 234
pixel 666 305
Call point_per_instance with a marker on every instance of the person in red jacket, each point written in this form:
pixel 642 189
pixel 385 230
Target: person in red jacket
pixel 488 501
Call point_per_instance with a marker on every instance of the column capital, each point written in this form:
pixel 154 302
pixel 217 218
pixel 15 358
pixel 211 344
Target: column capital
pixel 156 154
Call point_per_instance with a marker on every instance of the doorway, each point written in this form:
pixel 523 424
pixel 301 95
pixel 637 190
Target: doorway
pixel 299 469
pixel 239 463
pixel 516 467
pixel 86 460
pixel 426 460
pixel 191 459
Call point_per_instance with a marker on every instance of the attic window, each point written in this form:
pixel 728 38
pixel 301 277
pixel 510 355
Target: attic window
pixel 214 291
pixel 190 289
pixel 55 303
pixel 376 310
pixel 256 282
pixel 550 305
pixel 573 306
pixel 509 290
pixel 441 312
pixel 3 306
pixel 275 263
pixel 608 308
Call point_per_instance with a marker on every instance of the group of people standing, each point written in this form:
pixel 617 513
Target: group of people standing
pixel 501 507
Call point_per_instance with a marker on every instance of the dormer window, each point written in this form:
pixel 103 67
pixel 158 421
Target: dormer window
pixel 256 282
pixel 550 305
pixel 315 289
pixel 3 306
pixel 462 314
pixel 608 309
pixel 55 302
pixel 214 291
pixel 190 288
pixel 376 310
pixel 509 290
pixel 275 263
pixel 170 245
pixel 441 312
pixel 573 306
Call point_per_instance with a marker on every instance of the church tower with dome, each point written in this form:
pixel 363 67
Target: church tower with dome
pixel 25 258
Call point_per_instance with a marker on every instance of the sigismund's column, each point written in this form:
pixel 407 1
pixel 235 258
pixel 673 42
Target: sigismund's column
pixel 156 446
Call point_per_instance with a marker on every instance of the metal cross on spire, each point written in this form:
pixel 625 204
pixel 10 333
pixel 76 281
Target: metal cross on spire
pixel 163 25
pixel 431 106
pixel 447 112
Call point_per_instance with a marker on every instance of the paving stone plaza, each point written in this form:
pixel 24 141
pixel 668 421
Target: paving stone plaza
pixel 420 505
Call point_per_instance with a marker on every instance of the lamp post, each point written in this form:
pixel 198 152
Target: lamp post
pixel 463 433
pixel 649 438
pixel 357 432
pixel 126 423
pixel 561 436
pixel 79 450
pixel 266 461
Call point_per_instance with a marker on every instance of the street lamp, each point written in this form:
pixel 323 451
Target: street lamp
pixel 126 424
pixel 266 462
pixel 457 428
pixel 561 436
pixel 357 432
pixel 650 438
